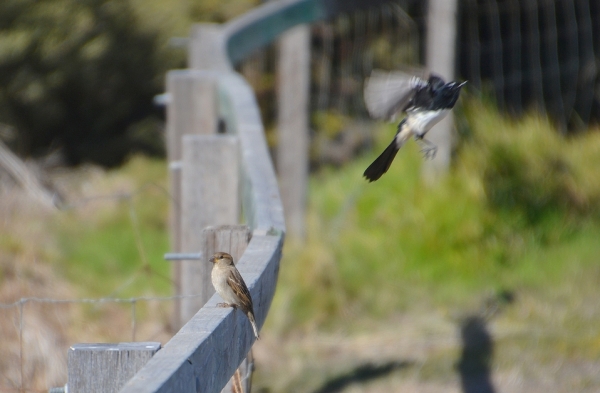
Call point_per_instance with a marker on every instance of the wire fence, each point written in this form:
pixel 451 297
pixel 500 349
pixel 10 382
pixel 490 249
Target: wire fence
pixel 525 55
pixel 540 54
pixel 534 54
pixel 36 330
pixel 19 382
pixel 343 52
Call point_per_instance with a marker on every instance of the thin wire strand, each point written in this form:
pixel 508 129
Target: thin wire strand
pixel 34 299
pixel 20 305
pixel 21 352
pixel 552 70
pixel 129 197
pixel 120 196
pixel 6 389
pixel 135 224
pixel 514 77
pixel 493 22
pixel 588 69
pixel 133 320
pixel 571 66
pixel 136 228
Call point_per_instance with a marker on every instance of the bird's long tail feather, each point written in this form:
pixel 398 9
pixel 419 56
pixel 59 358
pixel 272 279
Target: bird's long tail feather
pixel 253 323
pixel 382 163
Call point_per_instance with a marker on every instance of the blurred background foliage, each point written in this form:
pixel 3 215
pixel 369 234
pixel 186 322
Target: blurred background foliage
pixel 518 196
pixel 402 255
pixel 516 217
pixel 78 77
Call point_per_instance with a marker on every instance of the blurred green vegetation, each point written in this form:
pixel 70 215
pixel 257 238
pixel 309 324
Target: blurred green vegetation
pixel 113 243
pixel 489 226
pixel 79 76
pixel 379 254
pixel 506 219
pixel 518 211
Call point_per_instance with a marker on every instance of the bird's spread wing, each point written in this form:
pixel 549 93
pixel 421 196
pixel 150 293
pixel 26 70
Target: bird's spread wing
pixel 237 284
pixel 388 93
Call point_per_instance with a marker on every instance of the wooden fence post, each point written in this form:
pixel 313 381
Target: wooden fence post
pixel 440 57
pixel 207 48
pixel 293 95
pixel 232 239
pixel 191 109
pixel 105 368
pixel 210 196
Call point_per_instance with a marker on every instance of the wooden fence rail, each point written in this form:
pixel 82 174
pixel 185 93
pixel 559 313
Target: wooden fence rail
pixel 207 350
pixel 233 171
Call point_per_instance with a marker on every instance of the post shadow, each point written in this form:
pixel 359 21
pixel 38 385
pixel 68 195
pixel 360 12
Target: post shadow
pixel 362 374
pixel 474 365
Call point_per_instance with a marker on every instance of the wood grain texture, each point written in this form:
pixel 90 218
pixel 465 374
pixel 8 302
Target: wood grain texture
pixel 191 109
pixel 232 239
pixel 210 196
pixel 207 48
pixel 204 354
pixel 105 368
pixel 261 202
pixel 196 279
pixel 293 95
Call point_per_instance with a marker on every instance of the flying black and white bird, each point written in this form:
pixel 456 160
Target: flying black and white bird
pixel 425 101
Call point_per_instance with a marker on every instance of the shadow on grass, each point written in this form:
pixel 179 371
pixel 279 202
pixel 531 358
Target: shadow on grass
pixel 362 374
pixel 476 358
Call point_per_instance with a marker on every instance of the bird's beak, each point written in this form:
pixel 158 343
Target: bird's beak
pixel 462 84
pixel 212 260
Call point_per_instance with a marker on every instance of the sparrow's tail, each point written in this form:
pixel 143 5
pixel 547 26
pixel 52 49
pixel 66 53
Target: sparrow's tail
pixel 250 315
pixel 382 163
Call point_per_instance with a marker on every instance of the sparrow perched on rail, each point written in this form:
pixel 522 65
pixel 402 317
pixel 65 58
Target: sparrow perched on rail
pixel 230 285
pixel 425 102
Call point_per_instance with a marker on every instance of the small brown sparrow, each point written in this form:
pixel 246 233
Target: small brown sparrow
pixel 230 285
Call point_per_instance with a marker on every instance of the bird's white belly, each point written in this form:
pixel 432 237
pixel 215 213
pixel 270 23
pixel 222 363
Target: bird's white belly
pixel 219 280
pixel 421 122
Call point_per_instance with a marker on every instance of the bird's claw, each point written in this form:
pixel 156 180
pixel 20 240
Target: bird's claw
pixel 223 305
pixel 427 148
pixel 429 152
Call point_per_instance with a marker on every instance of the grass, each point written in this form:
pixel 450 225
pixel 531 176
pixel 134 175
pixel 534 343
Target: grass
pixel 390 270
pixel 113 239
pixel 107 240
pixel 387 271
pixel 518 211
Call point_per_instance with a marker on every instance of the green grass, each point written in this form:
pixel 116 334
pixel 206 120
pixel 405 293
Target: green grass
pixel 375 250
pixel 518 211
pixel 112 242
pixel 383 262
pixel 378 249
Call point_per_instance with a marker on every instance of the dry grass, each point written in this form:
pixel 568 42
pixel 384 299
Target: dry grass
pixel 534 347
pixel 25 272
pixel 377 298
pixel 342 321
pixel 33 264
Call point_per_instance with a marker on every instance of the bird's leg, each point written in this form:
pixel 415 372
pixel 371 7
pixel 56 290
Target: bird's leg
pixel 427 148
